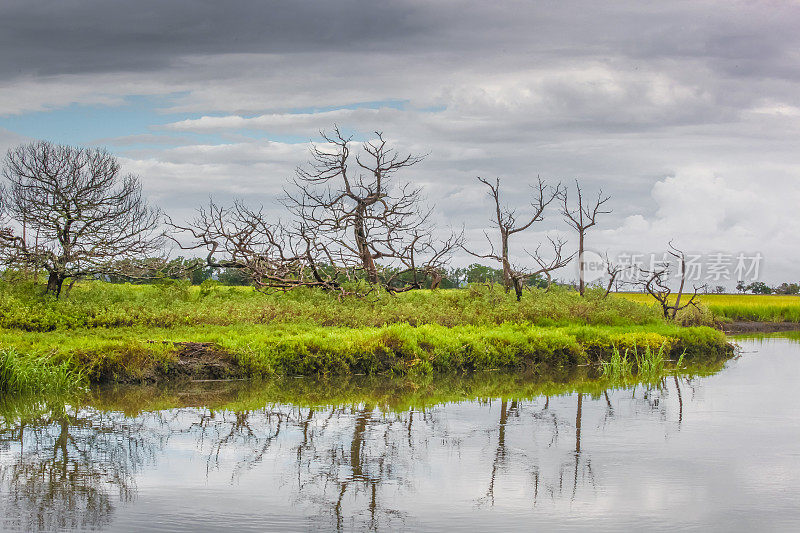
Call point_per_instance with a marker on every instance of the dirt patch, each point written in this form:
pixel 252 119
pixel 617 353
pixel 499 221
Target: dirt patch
pixel 744 326
pixel 202 361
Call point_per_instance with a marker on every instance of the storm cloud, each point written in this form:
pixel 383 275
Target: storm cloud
pixel 687 113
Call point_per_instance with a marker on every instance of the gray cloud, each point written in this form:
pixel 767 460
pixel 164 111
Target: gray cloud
pixel 683 111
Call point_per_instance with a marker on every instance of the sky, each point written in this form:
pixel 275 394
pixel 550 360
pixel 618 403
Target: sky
pixel 686 113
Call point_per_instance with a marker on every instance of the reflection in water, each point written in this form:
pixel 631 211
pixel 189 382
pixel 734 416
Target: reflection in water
pixel 71 466
pixel 352 454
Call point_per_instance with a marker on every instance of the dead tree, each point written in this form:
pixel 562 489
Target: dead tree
pixel 613 271
pixel 656 283
pixel 583 217
pixel 422 258
pixel 544 266
pixel 6 233
pixel 359 214
pixel 271 256
pixel 505 220
pixel 84 213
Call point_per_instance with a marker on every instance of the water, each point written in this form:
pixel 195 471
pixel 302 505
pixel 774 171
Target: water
pixel 719 452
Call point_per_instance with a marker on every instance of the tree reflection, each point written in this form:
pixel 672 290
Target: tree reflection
pixel 71 467
pixel 348 463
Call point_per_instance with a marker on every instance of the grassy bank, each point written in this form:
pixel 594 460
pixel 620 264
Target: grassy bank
pixel 105 305
pixel 109 333
pixel 136 354
pixel 746 307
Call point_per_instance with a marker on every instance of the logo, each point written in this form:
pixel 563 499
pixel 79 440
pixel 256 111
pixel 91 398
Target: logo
pixel 594 266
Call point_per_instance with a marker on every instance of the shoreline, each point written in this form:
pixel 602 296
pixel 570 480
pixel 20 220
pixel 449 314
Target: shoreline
pixel 153 355
pixel 738 327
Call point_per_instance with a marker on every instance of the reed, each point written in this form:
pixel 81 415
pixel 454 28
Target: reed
pixel 21 374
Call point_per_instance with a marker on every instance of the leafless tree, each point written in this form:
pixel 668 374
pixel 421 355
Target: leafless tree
pixel 6 233
pixel 271 256
pixel 656 283
pixel 83 212
pixel 357 211
pixel 583 217
pixel 507 223
pixel 613 270
pixel 545 267
pixel 422 258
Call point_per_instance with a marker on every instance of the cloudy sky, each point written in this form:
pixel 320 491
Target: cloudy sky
pixel 687 113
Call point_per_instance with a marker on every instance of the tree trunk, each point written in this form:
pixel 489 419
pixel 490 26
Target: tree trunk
pixel 581 287
pixel 610 284
pixel 54 283
pixel 517 288
pixel 367 262
pixel 507 278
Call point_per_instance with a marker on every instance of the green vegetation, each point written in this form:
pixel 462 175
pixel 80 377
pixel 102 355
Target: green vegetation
pixel 121 333
pixel 750 307
pixel 618 366
pixel 650 364
pixel 94 304
pixel 133 354
pixel 21 374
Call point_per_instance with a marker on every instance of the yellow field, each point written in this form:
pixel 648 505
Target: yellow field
pixel 757 307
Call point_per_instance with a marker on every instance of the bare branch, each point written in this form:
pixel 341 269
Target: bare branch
pixel 581 218
pixel 505 220
pixel 360 216
pixel 77 213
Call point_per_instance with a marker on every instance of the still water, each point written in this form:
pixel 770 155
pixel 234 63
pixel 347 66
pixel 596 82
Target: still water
pixel 717 450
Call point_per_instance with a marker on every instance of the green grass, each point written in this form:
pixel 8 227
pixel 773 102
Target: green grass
pixel 619 365
pixel 105 305
pixel 26 373
pixel 398 349
pixel 647 363
pixel 750 307
pixel 109 332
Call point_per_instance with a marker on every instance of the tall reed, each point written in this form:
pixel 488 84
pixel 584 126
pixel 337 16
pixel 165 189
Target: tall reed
pixel 28 373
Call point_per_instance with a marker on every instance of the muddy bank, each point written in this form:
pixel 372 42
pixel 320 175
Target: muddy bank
pixel 199 361
pixel 746 326
pixel 187 361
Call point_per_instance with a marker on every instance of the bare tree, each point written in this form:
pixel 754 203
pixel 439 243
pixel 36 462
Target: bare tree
pixel 583 217
pixel 545 266
pixel 6 233
pixel 613 270
pixel 270 255
pixel 421 258
pixel 505 220
pixel 656 283
pixel 358 213
pixel 83 212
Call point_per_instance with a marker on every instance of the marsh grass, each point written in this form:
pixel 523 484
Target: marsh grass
pixel 32 374
pixel 618 366
pixel 748 307
pixel 94 304
pixel 131 354
pixel 128 333
pixel 648 363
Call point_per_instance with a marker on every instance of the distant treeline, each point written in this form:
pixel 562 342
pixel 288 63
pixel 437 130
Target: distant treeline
pixel 187 269
pixel 759 287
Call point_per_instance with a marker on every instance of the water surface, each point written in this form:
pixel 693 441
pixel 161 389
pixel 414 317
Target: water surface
pixel 717 451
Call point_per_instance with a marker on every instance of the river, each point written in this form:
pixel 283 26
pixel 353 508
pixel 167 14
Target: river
pixel 716 450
